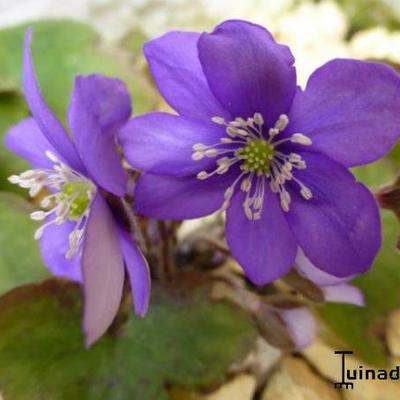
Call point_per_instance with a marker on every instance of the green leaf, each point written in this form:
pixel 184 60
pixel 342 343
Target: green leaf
pixel 61 50
pixel 20 261
pixel 364 14
pixel 360 329
pixel 12 110
pixel 185 340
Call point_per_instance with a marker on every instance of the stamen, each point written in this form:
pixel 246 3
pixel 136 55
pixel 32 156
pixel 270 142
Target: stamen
pixel 218 120
pixel 71 197
pixel 259 159
pixel 301 139
pixel 202 175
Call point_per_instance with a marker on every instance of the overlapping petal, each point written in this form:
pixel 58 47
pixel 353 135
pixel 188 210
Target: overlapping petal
pixel 336 290
pixel 350 110
pixel 265 248
pixel 27 140
pixel 305 267
pixel 54 245
pixel 162 143
pixel 99 107
pixel 301 325
pixel 139 273
pixel 174 63
pixel 177 198
pixel 103 271
pixel 47 121
pixel 344 293
pixel 247 70
pixel 339 228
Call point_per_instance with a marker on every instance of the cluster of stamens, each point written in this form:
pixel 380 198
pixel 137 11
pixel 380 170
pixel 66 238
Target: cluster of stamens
pixel 260 160
pixel 70 198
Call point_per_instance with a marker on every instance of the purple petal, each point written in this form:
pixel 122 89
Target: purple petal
pixel 344 293
pixel 314 274
pixel 103 271
pixel 99 107
pixel 162 143
pixel 335 289
pixel 27 140
pixel 339 228
pixel 174 63
pixel 45 118
pixel 247 70
pixel 54 244
pixel 265 248
pixel 168 197
pixel 301 325
pixel 139 273
pixel 350 110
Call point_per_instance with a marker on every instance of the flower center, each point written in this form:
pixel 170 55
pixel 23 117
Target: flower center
pixel 78 192
pixel 257 155
pixel 260 159
pixel 70 198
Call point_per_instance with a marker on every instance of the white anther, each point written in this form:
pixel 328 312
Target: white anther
pixel 197 156
pixel 258 202
pixel 301 139
pixel 241 121
pixel 223 161
pixel 199 147
pixel 248 212
pixel 288 166
pixel 245 185
pixel 218 120
pixel 306 192
pixel 301 165
pixel 202 175
pixel 45 202
pixel 35 189
pixel 273 132
pixel 242 132
pixel 211 153
pixel 15 179
pixel 293 157
pixel 232 131
pixel 282 122
pixel 38 215
pixel 285 200
pixel 226 140
pixel 222 169
pixel 29 174
pixel 258 119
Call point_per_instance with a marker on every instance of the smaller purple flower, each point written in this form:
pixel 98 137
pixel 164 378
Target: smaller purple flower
pixel 275 157
pixel 81 238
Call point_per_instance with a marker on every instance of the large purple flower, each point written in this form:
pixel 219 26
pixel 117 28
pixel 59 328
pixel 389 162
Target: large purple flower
pixel 249 141
pixel 81 239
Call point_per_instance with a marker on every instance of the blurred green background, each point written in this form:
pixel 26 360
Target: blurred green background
pixel 105 36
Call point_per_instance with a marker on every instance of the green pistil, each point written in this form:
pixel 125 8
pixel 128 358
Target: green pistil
pixel 79 191
pixel 257 156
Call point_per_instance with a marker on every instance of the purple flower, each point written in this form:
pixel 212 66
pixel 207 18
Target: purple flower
pixel 249 141
pixel 81 239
